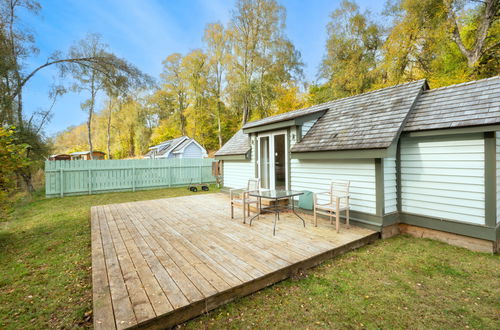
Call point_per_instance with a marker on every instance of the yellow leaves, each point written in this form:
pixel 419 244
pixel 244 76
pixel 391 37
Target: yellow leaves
pixel 13 159
pixel 288 98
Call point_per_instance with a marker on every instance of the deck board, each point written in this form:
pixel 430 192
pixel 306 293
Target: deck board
pixel 161 262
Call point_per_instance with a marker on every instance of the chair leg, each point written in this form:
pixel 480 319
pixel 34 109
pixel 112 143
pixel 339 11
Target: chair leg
pixel 244 212
pixel 331 218
pixel 337 220
pixel 347 218
pixel 248 208
pixel 232 210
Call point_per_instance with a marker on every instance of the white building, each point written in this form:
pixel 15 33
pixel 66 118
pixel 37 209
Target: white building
pixel 182 147
pixel 418 158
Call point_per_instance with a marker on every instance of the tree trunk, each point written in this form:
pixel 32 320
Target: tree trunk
pixel 13 49
pixel 89 134
pixel 8 111
pixel 488 16
pixel 246 110
pixel 108 142
pixel 91 112
pixel 182 118
pixel 28 182
pixel 20 122
pixel 131 136
pixel 219 128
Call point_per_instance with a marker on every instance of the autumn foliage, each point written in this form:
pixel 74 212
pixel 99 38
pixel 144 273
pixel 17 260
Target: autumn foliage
pixel 12 159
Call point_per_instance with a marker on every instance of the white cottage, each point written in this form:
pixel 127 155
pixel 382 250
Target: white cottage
pixel 423 161
pixel 182 147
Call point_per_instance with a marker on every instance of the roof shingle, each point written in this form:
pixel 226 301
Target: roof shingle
pixel 166 146
pixel 469 104
pixel 238 144
pixel 373 120
pixel 367 121
pixel 287 115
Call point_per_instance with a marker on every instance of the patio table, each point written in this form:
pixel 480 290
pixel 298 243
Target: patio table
pixel 276 208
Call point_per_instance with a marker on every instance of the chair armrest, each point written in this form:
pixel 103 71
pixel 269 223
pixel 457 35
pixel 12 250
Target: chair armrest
pixel 337 198
pixel 322 193
pixel 342 196
pixel 236 191
pixel 315 196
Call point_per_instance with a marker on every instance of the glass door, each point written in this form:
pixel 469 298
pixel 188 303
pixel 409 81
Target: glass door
pixel 264 162
pixel 272 160
pixel 279 161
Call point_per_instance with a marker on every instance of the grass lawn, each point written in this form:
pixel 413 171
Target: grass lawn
pixel 401 282
pixel 45 259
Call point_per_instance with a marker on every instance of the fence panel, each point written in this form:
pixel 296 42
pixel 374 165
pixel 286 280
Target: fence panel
pixel 80 177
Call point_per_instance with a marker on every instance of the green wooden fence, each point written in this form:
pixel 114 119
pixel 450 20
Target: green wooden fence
pixel 79 177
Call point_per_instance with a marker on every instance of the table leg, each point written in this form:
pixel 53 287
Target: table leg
pixel 293 210
pixel 276 215
pixel 258 212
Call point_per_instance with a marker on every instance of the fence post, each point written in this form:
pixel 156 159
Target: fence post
pixel 169 169
pixel 133 178
pixel 61 181
pixel 201 173
pixel 90 181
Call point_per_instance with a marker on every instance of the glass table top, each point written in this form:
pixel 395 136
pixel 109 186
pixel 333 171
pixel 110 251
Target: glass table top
pixel 275 194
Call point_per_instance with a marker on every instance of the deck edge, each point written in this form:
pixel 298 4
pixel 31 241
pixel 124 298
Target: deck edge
pixel 200 307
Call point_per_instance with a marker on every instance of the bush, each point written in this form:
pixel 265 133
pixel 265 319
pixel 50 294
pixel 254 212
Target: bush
pixel 13 159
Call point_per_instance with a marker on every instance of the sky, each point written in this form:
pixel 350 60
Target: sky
pixel 145 32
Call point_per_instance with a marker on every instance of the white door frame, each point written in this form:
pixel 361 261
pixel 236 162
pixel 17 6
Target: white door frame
pixel 271 155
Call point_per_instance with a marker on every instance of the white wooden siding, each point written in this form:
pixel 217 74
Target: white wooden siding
pixel 390 189
pixel 237 173
pixel 444 177
pixel 498 175
pixel 316 175
pixel 307 126
pixel 192 151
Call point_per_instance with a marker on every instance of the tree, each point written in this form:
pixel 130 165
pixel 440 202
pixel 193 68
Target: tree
pixel 445 41
pixel 482 40
pixel 14 160
pixel 111 74
pixel 111 103
pixel 288 98
pixel 352 49
pixel 89 78
pixel 17 45
pixel 195 71
pixel 257 39
pixel 176 86
pixel 217 43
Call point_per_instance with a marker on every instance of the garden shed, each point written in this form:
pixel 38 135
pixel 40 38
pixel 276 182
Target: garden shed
pixel 423 161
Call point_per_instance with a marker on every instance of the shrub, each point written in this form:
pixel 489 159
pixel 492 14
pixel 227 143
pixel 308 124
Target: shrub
pixel 13 159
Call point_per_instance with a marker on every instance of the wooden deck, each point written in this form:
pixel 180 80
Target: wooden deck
pixel 158 263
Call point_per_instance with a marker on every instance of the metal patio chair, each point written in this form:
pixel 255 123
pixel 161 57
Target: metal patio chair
pixel 338 201
pixel 242 197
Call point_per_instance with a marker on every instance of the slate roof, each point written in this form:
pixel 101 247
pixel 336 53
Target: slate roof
pixel 287 115
pixel 469 104
pixel 166 146
pixel 181 145
pixel 371 120
pixel 77 153
pixel 239 144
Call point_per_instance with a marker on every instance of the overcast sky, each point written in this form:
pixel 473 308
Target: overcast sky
pixel 145 32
